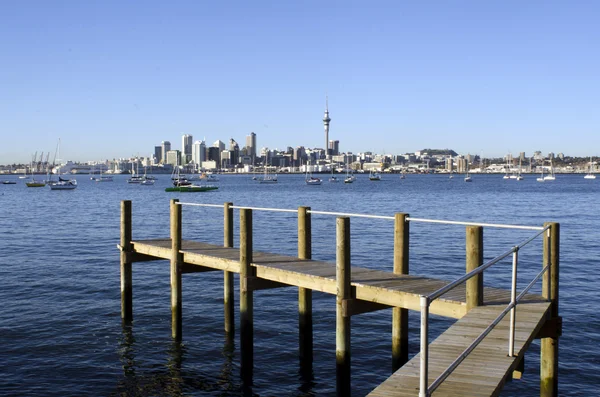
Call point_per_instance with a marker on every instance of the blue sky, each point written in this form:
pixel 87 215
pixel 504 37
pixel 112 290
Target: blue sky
pixel 115 78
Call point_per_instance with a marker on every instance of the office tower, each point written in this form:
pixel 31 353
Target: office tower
pixel 173 157
pixel 157 154
pixel 326 121
pixel 214 154
pixel 251 146
pixel 199 153
pixel 186 148
pixel 234 152
pixel 165 147
pixel 334 147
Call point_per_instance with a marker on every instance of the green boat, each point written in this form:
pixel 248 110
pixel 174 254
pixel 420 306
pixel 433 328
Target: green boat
pixel 191 188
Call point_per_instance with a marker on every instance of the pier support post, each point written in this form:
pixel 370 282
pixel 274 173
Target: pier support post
pixel 344 293
pixel 549 345
pixel 246 299
pixel 176 264
pixel 126 265
pixel 305 321
pixel 228 299
pixel 474 247
pixel 399 315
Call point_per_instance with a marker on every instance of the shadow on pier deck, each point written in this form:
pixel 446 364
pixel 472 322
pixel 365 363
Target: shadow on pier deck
pixel 482 371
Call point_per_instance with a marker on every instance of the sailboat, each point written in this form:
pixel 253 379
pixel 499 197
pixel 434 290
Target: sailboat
pixel 62 184
pixel 33 182
pixel 310 179
pixel 102 177
pixel 507 169
pixel 541 177
pixel 333 178
pixel 519 176
pixel 550 177
pixel 590 174
pixel 147 181
pixel 374 176
pixel 267 178
pixel 135 177
pixel 349 177
pixel 467 176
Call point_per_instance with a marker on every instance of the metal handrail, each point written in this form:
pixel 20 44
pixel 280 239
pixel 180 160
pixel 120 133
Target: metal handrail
pixel 426 301
pixel 498 225
pixel 385 217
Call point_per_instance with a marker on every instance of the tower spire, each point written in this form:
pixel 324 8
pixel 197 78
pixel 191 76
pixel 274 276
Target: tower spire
pixel 326 120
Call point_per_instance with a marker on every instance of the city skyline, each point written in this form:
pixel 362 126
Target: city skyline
pixel 480 78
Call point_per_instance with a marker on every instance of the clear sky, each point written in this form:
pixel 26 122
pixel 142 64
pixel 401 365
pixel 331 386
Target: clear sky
pixel 115 78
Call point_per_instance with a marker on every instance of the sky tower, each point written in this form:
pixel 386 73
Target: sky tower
pixel 326 121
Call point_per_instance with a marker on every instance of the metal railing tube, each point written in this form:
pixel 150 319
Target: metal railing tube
pixel 549 261
pixel 532 283
pixel 467 276
pixel 513 303
pixel 391 218
pixel 424 220
pixel 467 351
pixel 423 391
pixel 530 239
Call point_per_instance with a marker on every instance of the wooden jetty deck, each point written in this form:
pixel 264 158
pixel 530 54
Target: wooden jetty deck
pixel 482 373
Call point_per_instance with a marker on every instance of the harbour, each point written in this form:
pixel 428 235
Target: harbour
pixel 76 308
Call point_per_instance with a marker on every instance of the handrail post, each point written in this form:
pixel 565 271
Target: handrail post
pixel 474 248
pixel 399 315
pixel 549 345
pixel 342 334
pixel 228 298
pixel 513 302
pixel 423 385
pixel 247 272
pixel 126 264
pixel 305 320
pixel 176 259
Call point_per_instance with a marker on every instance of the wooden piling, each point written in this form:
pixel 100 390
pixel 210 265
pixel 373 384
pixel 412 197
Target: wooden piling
pixel 228 299
pixel 474 248
pixel 549 345
pixel 176 264
pixel 344 293
pixel 399 315
pixel 247 272
pixel 126 265
pixel 305 321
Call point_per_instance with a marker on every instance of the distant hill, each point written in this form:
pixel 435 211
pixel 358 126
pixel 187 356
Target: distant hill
pixel 433 152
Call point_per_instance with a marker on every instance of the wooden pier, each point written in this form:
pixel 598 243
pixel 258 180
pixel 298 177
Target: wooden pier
pixel 359 290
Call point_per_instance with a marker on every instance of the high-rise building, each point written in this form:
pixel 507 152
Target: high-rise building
pixel 165 147
pixel 251 146
pixel 173 157
pixel 199 153
pixel 234 152
pixel 334 148
pixel 214 154
pixel 326 121
pixel 186 148
pixel 157 154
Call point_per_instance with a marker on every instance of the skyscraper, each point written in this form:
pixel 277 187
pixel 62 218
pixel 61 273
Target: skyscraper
pixel 186 148
pixel 326 121
pixel 165 147
pixel 251 146
pixel 199 153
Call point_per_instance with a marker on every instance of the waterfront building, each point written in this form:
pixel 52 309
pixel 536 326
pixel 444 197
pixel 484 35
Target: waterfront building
pixel 334 147
pixel 220 145
pixel 186 148
pixel 157 154
pixel 251 146
pixel 234 152
pixel 214 154
pixel 199 152
pixel 165 147
pixel 173 158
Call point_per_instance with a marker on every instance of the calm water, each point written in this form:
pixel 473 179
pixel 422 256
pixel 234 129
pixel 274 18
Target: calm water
pixel 60 327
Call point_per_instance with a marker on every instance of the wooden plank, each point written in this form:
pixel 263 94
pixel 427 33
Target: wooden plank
pixel 486 369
